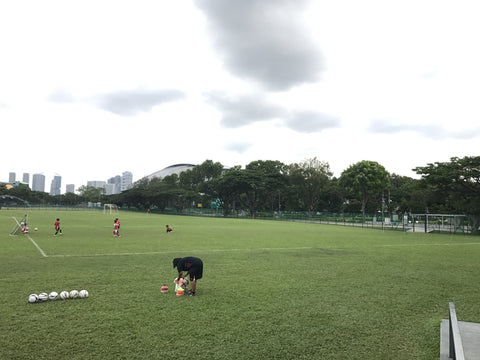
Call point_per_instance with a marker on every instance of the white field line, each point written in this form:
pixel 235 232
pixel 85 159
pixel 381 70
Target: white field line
pixel 248 249
pixel 14 218
pixel 175 252
pixel 38 247
pixel 33 242
pixel 446 244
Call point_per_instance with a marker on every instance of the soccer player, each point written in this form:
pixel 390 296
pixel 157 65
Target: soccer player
pixel 169 229
pixel 116 227
pixel 58 229
pixel 193 266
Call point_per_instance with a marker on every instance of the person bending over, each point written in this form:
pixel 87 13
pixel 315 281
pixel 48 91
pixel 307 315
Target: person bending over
pixel 193 266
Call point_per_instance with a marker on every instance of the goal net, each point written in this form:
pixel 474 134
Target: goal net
pixel 19 225
pixel 110 209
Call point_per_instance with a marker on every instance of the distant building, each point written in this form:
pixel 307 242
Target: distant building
pixel 26 178
pixel 70 188
pixel 56 185
pixel 12 177
pixel 110 189
pixel 96 184
pixel 38 182
pixel 116 181
pixel 127 180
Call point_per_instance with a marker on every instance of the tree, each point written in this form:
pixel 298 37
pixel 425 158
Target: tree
pixel 230 186
pixel 70 198
pixel 197 182
pixel 3 189
pixel 91 194
pixel 166 192
pixel 309 183
pixel 401 192
pixel 455 185
pixel 268 181
pixel 133 197
pixel 365 179
pixel 333 198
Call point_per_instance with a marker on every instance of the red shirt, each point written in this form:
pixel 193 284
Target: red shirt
pixel 57 225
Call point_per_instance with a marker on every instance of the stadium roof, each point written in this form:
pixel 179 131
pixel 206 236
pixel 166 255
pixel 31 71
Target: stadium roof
pixel 170 170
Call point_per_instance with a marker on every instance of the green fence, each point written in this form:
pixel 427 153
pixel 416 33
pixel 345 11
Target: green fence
pixel 440 223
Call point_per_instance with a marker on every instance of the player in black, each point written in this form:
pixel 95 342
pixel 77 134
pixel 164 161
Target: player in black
pixel 193 266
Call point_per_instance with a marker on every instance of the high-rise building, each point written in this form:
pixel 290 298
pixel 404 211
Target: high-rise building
pixel 109 189
pixel 38 182
pixel 96 184
pixel 56 185
pixel 26 178
pixel 127 180
pixel 70 188
pixel 12 177
pixel 116 181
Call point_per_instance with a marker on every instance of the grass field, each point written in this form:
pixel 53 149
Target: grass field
pixel 271 290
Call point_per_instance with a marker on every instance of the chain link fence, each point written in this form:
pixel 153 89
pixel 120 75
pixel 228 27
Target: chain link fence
pixel 423 223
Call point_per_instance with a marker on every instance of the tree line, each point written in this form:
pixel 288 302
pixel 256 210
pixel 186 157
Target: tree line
pixel 365 187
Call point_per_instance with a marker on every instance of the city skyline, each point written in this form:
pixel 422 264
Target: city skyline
pixel 113 185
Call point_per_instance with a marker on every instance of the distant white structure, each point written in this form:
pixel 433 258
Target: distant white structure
pixel 56 185
pixel 170 170
pixel 116 181
pixel 127 180
pixel 110 189
pixel 96 184
pixel 70 188
pixel 38 182
pixel 12 177
pixel 26 178
pixel 115 184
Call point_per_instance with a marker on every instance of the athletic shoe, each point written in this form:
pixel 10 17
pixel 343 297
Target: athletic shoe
pixel 191 293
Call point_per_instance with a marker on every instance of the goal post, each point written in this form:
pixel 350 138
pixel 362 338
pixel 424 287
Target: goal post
pixel 110 209
pixel 19 225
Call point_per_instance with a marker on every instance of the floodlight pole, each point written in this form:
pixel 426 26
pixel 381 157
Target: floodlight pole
pixel 383 209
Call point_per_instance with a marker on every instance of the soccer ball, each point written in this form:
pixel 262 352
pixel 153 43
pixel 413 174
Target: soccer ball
pixel 73 294
pixel 64 295
pixel 36 229
pixel 53 296
pixel 83 294
pixel 33 298
pixel 43 297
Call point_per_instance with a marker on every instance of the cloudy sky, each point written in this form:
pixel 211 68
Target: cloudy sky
pixel 89 89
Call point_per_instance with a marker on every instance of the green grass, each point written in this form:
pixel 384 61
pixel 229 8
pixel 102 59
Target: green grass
pixel 271 290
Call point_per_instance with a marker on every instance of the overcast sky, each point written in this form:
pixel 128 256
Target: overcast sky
pixel 90 89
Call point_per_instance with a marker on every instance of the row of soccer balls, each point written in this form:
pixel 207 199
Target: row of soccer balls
pixel 64 295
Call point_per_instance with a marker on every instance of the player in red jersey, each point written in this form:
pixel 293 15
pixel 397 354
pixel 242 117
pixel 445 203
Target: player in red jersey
pixel 58 229
pixel 116 227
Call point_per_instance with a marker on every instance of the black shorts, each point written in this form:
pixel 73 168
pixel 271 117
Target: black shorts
pixel 196 273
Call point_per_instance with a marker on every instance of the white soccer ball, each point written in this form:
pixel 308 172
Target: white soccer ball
pixel 53 296
pixel 43 297
pixel 64 295
pixel 83 294
pixel 36 229
pixel 73 294
pixel 32 298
